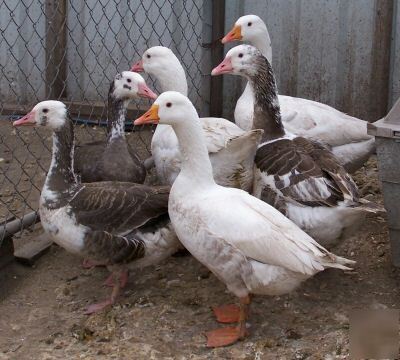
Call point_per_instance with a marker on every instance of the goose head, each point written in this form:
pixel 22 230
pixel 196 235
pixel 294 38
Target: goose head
pixel 170 108
pixel 240 60
pixel 249 28
pixel 155 60
pixel 49 113
pixel 129 85
pixel 161 62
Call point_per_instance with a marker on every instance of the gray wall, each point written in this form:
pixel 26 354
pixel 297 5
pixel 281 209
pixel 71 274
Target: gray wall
pixel 102 39
pixel 333 51
pixel 22 59
pixel 96 49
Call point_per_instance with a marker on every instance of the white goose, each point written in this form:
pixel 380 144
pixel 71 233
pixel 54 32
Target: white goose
pixel 231 149
pixel 246 243
pixel 345 135
pixel 298 176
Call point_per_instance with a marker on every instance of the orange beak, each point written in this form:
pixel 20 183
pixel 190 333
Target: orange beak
pixel 138 67
pixel 234 34
pixel 149 117
pixel 27 120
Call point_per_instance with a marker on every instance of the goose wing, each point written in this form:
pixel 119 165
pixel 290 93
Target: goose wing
pixel 304 172
pixel 321 122
pixel 118 207
pixel 262 233
pixel 218 132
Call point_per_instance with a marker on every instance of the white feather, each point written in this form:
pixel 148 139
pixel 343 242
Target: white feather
pixel 218 132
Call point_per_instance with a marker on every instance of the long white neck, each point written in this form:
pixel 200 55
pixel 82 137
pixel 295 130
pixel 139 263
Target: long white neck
pixel 173 78
pixel 196 166
pixel 263 43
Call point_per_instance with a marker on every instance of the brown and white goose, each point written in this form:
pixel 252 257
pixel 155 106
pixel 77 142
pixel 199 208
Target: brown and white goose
pixel 246 243
pixel 114 158
pixel 120 224
pixel 300 177
pixel 231 149
pixel 345 135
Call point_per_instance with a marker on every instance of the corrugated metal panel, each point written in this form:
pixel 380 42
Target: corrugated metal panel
pixel 102 39
pixel 333 51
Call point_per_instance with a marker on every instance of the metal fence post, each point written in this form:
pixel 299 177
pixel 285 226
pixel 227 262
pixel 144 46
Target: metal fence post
pixel 394 75
pixel 56 42
pixel 217 52
pixel 382 39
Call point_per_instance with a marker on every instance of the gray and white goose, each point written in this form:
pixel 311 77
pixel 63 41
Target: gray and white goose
pixel 121 224
pixel 250 246
pixel 345 135
pixel 231 149
pixel 298 176
pixel 113 158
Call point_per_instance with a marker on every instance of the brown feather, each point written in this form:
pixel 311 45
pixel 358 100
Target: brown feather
pixel 118 207
pixel 304 160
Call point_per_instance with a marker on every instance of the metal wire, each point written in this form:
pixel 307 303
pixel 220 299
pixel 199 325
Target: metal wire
pixel 97 38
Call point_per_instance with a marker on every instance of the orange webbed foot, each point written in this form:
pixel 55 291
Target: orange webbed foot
pixel 224 336
pixel 227 314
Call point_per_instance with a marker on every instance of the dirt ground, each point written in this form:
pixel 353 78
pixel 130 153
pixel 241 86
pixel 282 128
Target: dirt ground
pixel 165 310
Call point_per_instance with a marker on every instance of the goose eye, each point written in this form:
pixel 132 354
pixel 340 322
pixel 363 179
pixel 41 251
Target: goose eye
pixel 45 110
pixel 148 56
pixel 128 80
pixel 169 104
pixel 249 24
pixel 240 55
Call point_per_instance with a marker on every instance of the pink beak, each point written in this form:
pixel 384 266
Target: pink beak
pixel 138 67
pixel 145 91
pixel 224 68
pixel 28 119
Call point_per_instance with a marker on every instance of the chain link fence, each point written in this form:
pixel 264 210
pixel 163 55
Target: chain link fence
pixel 71 50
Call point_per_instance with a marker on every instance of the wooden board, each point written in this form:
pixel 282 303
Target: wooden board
pixel 33 249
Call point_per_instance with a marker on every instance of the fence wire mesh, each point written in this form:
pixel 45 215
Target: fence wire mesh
pixel 71 50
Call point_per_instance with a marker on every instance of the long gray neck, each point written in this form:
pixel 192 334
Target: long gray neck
pixel 196 164
pixel 61 180
pixel 117 109
pixel 267 114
